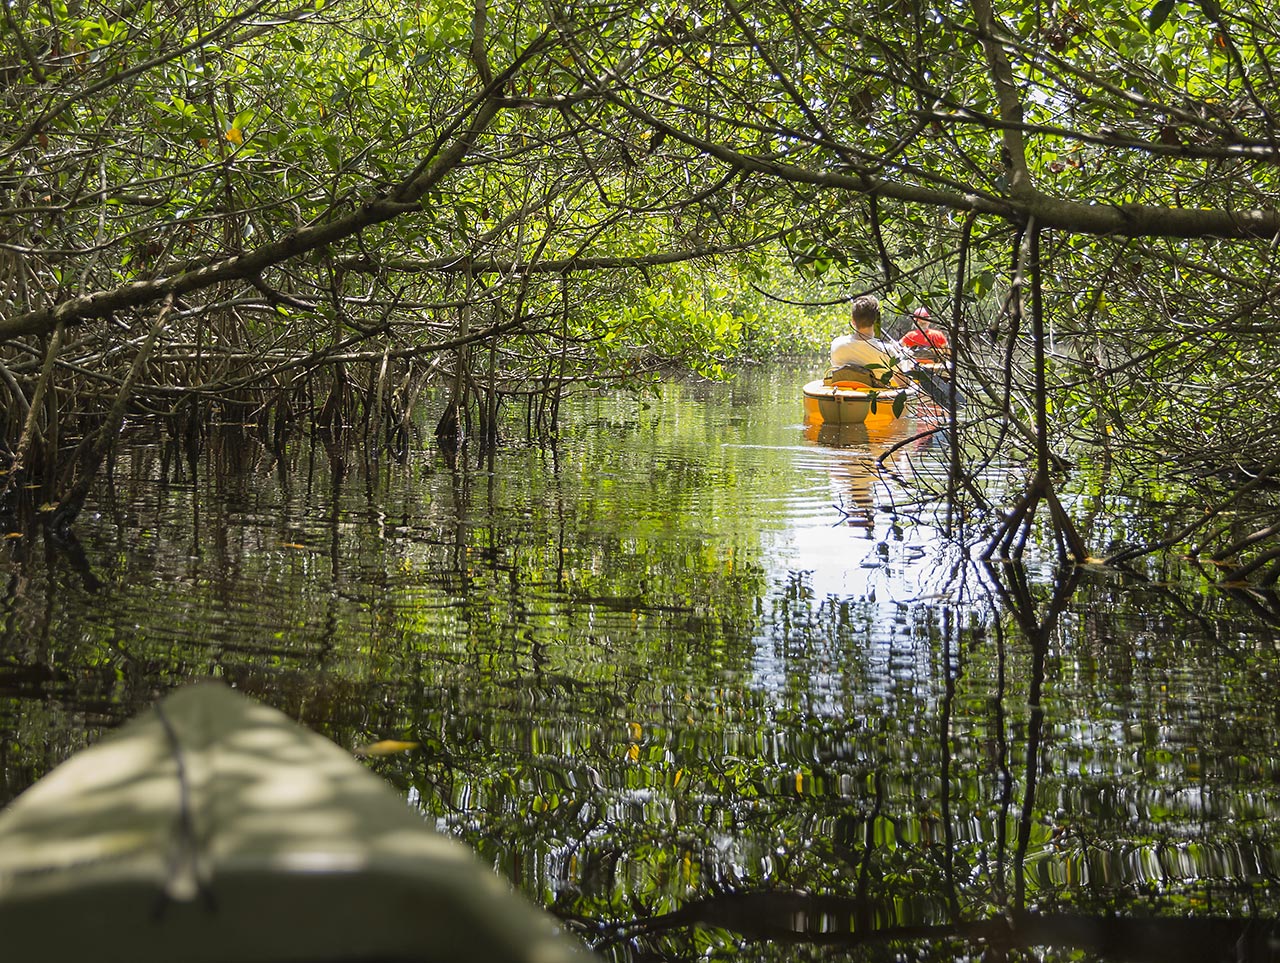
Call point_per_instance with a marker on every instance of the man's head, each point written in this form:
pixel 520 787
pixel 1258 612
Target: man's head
pixel 921 318
pixel 866 312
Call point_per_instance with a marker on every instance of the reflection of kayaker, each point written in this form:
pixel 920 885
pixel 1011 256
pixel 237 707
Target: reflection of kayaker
pixel 862 467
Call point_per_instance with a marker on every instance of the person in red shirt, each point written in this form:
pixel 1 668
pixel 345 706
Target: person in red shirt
pixel 924 341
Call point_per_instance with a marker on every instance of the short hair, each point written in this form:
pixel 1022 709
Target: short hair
pixel 866 310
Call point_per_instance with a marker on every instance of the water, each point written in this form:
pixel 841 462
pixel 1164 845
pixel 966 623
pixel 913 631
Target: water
pixel 701 679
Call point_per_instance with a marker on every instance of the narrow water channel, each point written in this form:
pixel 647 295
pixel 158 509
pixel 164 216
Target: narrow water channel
pixel 703 680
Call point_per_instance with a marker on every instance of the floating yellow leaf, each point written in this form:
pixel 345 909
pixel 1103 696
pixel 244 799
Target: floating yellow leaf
pixel 292 545
pixel 385 747
pixel 12 534
pixel 235 135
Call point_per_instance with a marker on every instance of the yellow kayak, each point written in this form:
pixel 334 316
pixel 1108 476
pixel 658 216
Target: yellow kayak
pixel 847 404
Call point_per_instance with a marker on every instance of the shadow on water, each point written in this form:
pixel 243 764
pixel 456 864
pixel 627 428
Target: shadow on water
pixel 829 922
pixel 661 685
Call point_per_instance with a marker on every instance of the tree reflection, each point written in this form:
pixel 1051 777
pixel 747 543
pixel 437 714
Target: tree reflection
pixel 1037 624
pixel 901 861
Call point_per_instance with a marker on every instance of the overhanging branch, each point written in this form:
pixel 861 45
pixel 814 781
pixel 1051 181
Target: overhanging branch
pixel 402 200
pixel 1077 217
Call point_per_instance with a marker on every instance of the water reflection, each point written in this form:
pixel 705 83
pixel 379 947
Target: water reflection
pixel 662 683
pixel 871 449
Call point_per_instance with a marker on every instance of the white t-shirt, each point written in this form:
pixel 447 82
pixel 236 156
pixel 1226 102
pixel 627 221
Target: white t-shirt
pixel 855 349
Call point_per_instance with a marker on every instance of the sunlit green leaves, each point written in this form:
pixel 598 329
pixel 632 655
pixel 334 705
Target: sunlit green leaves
pixel 813 257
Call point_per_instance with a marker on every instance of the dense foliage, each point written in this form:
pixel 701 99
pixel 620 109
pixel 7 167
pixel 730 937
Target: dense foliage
pixel 302 214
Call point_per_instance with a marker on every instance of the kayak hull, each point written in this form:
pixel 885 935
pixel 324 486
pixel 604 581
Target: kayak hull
pixel 840 405
pixel 215 828
pixel 935 379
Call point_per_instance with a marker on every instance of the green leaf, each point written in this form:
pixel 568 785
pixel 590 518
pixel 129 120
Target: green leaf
pixel 1159 14
pixel 982 283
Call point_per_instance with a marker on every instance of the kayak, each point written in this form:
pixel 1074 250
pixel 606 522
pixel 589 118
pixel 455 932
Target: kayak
pixel 214 828
pixel 844 404
pixel 935 378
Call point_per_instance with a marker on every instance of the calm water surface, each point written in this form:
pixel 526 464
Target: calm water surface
pixel 706 682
